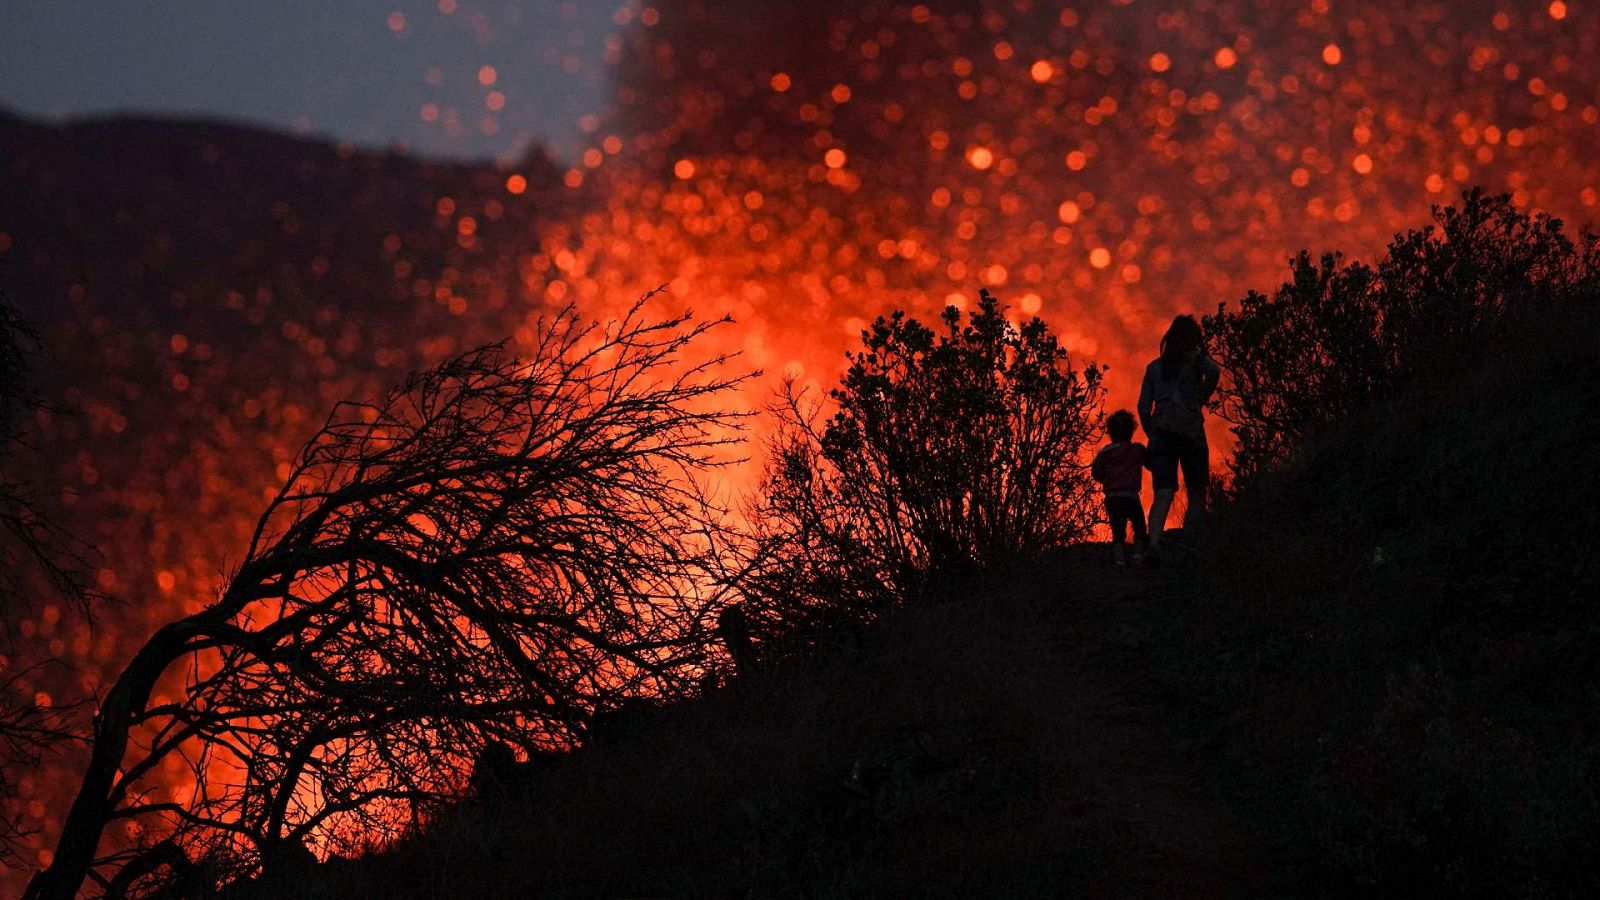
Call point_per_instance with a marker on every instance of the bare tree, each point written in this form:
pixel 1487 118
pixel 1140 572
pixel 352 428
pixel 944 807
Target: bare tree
pixel 37 555
pixel 38 558
pixel 495 552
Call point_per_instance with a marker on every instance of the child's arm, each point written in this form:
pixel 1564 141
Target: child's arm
pixel 1097 469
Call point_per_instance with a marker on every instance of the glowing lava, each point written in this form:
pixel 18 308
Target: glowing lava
pixel 1104 165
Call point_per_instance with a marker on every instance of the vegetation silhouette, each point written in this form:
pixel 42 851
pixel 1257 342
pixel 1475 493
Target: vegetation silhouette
pixel 942 455
pixel 1374 676
pixel 1390 646
pixel 1340 334
pixel 39 559
pixel 497 551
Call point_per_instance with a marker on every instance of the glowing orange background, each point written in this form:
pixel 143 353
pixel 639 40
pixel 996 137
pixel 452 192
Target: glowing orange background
pixel 1105 165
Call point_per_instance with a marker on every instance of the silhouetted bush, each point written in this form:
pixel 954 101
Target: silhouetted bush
pixel 1338 333
pixel 946 454
pixel 1392 643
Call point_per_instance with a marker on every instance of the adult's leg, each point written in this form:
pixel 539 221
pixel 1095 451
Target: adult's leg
pixel 1196 462
pixel 1163 455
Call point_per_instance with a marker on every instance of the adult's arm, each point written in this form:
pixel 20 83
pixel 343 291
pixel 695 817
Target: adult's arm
pixel 1147 402
pixel 1210 374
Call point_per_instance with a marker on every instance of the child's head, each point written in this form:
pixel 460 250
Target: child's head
pixel 1120 425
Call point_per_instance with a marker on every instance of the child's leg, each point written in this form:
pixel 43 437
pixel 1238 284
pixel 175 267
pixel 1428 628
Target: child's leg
pixel 1141 537
pixel 1118 515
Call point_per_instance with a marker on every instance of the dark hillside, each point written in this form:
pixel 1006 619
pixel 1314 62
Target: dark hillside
pixel 1391 647
pixel 205 290
pixel 163 219
pixel 989 748
pixel 1373 675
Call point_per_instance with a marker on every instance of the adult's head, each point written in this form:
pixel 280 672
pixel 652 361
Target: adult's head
pixel 1182 339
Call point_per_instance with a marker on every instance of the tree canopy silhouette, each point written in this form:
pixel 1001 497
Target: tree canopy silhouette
pixel 494 552
pixel 1339 334
pixel 946 453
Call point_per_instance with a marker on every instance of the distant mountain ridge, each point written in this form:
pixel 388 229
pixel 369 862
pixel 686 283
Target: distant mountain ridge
pixel 206 291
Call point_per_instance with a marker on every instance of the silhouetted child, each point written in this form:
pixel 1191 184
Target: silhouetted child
pixel 1119 466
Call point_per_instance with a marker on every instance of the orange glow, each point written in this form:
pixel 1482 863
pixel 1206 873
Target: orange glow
pixel 1103 184
pixel 397 21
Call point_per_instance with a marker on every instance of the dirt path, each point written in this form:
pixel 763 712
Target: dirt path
pixel 1171 838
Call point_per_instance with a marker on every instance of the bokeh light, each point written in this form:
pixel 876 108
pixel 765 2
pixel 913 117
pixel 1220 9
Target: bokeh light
pixel 1104 166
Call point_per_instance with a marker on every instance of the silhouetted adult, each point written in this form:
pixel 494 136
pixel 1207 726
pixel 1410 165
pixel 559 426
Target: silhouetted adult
pixel 1172 405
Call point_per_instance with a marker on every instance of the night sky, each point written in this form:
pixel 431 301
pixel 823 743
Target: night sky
pixel 349 71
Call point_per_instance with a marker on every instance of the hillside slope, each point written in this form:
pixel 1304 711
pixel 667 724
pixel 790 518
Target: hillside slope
pixel 1371 676
pixel 991 747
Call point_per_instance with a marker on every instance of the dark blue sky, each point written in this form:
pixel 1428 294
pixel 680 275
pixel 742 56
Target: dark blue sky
pixel 334 67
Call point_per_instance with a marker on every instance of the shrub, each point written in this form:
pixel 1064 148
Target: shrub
pixel 1338 334
pixel 945 454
